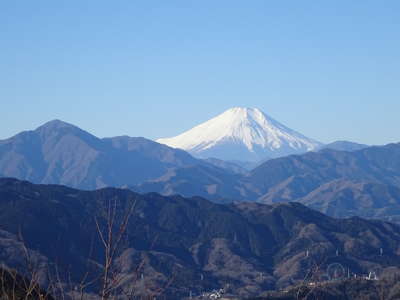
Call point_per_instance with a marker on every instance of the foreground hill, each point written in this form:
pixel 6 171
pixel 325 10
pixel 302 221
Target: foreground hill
pixel 174 245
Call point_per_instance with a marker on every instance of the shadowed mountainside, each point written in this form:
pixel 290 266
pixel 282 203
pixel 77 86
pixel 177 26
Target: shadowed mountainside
pixel 344 146
pixel 308 171
pixel 185 244
pixel 339 183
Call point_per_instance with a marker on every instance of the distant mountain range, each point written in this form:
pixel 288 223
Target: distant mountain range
pixel 340 183
pixel 359 180
pixel 177 246
pixel 244 134
pixel 343 146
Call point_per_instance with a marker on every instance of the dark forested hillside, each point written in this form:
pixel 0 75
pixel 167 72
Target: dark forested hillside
pixel 175 245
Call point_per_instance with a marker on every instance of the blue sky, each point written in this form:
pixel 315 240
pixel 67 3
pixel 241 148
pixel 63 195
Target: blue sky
pixel 329 69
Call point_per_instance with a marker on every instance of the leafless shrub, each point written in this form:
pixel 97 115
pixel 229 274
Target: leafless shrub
pixel 111 238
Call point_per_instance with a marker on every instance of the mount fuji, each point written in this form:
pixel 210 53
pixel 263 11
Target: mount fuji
pixel 242 134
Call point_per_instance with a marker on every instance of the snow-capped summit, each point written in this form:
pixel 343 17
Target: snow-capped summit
pixel 243 134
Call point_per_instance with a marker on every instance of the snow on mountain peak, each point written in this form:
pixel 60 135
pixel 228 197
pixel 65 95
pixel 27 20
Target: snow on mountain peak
pixel 241 134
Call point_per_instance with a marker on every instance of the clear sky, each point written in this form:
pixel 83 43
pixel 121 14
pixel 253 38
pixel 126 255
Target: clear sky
pixel 329 69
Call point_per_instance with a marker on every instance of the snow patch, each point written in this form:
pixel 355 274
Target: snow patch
pixel 245 134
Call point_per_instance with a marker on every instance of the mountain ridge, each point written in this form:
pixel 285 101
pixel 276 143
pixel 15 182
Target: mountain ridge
pixel 59 152
pixel 306 178
pixel 343 146
pixel 203 245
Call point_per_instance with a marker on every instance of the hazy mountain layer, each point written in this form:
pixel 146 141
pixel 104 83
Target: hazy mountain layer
pixel 339 183
pixel 61 153
pixel 293 177
pixel 343 146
